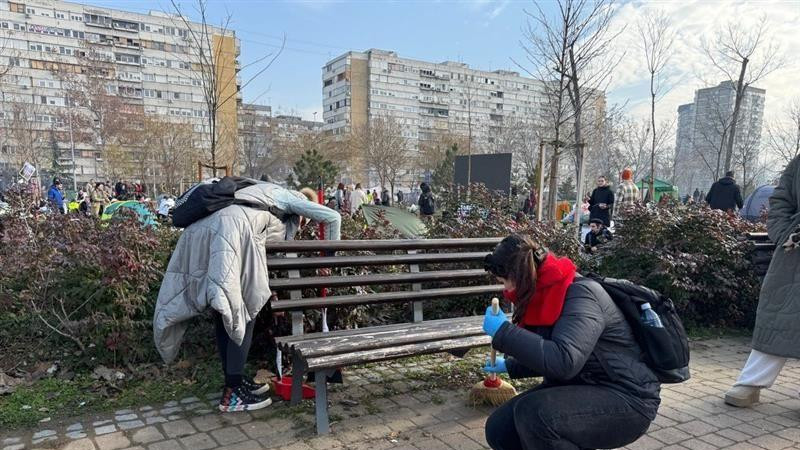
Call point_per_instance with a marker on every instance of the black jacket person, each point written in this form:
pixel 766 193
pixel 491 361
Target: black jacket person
pixel 725 194
pixel 601 202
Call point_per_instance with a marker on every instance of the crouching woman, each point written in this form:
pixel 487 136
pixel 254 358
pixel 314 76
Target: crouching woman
pixel 597 392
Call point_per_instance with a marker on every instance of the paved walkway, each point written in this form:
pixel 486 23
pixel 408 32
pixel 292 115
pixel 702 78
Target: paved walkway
pixel 420 404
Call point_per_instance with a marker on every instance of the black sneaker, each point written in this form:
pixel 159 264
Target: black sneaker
pixel 240 399
pixel 253 387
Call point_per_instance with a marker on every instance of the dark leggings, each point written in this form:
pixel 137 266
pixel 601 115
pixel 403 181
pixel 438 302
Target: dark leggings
pixel 233 356
pixel 565 418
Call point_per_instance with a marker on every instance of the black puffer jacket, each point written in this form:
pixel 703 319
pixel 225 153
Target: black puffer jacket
pixel 605 195
pixel 725 195
pixel 591 343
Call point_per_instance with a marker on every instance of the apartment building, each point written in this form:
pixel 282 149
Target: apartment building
pixel 153 64
pixel 428 98
pixel 263 136
pixel 703 130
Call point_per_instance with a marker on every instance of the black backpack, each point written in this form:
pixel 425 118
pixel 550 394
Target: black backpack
pixel 204 199
pixel 666 350
pixel 426 204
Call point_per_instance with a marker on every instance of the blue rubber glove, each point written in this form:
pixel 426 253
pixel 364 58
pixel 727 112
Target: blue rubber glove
pixel 492 322
pixel 499 366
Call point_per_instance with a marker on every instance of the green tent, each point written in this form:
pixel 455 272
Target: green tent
pixel 661 187
pixel 409 225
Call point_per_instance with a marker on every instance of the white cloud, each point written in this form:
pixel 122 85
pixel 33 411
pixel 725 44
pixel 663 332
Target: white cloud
pixel 688 69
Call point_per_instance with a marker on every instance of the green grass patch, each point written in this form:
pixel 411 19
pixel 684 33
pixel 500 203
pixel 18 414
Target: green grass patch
pixel 59 399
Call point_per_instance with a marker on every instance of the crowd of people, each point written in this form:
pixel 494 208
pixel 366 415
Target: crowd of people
pixel 348 199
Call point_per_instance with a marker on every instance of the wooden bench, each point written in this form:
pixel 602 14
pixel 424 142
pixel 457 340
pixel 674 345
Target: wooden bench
pixel 323 353
pixel 762 253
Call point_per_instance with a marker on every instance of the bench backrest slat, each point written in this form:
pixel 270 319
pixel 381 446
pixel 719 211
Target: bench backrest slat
pixel 372 260
pixel 379 244
pixel 284 284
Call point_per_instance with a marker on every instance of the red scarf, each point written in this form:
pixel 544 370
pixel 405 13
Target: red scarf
pixel 552 280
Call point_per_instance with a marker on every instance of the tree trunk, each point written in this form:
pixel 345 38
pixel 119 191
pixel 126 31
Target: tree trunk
pixel 579 152
pixel 553 195
pixel 740 87
pixel 653 127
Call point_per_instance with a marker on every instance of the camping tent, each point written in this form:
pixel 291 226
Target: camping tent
pixel 144 215
pixel 409 225
pixel 661 187
pixel 757 202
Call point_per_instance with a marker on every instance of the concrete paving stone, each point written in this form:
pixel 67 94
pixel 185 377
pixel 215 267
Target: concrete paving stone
pixel 155 420
pixel 734 435
pixel 174 417
pixel 324 443
pixel 432 444
pixel 298 446
pixel 697 444
pixel 151 413
pixel 146 435
pixel 44 439
pixel 750 429
pixel 43 433
pixel 771 442
pixel 282 439
pixel 696 428
pixel 14 447
pixel 190 400
pixel 145 408
pixel 792 434
pixel 461 441
pixel 201 441
pixel 105 429
pixel 130 425
pixel 238 418
pixel 177 428
pixel 229 435
pixel 171 410
pixel 646 443
pixel 112 441
pixel 12 440
pixel 246 445
pixel 125 417
pixel 138 447
pixel 670 435
pixel 76 434
pixel 721 421
pixel 75 427
pixel 207 422
pixel 170 404
pixel 717 440
pixel 81 444
pixel 122 412
pixel 171 444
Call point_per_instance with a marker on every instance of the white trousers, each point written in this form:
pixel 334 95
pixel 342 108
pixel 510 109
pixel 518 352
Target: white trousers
pixel 761 370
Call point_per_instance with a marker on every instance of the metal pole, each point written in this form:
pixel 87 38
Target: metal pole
pixel 540 181
pixel 579 190
pixel 72 149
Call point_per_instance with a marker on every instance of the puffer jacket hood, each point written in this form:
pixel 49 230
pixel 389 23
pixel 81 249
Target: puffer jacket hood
pixel 727 181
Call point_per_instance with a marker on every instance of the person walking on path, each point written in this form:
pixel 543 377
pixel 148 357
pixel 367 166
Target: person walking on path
pixel 386 199
pixel 357 198
pixel 339 197
pixel 427 203
pixel 99 199
pixel 627 192
pixel 597 391
pixel 55 196
pixel 601 202
pixel 776 336
pixel 725 194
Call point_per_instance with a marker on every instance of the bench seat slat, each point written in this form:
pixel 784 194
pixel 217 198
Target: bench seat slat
pixel 380 244
pixel 383 297
pixel 371 260
pixel 399 351
pixel 286 284
pixel 371 338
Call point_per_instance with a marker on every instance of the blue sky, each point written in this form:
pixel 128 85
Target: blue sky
pixel 484 34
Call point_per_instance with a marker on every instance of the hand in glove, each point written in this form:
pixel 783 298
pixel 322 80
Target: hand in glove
pixel 499 366
pixel 793 242
pixel 492 322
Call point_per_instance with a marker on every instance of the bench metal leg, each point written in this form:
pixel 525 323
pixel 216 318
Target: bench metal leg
pixel 297 381
pixel 323 425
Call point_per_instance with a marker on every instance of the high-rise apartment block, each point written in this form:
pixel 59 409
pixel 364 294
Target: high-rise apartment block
pixel 428 98
pixel 703 130
pixel 154 67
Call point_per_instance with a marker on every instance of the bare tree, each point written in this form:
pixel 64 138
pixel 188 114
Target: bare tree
pixel 218 78
pixel 656 42
pixel 748 51
pixel 433 151
pixel 746 159
pixel 384 149
pixel 783 136
pixel 170 148
pixel 32 138
pixel 545 42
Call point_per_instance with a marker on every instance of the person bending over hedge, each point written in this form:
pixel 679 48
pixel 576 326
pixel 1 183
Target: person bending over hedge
pixel 597 392
pixel 220 263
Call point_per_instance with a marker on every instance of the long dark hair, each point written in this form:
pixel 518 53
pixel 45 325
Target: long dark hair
pixel 517 258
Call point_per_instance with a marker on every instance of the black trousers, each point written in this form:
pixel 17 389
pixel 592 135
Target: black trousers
pixel 232 356
pixel 565 418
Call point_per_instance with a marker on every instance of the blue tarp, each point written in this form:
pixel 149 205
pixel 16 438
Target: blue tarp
pixel 757 202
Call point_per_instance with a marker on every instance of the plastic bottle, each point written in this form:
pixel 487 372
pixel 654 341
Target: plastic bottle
pixel 650 318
